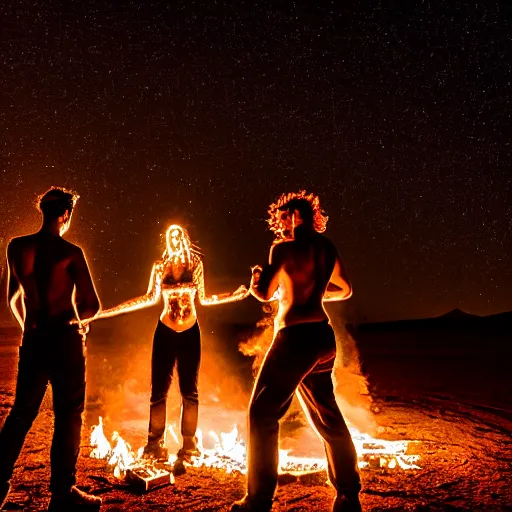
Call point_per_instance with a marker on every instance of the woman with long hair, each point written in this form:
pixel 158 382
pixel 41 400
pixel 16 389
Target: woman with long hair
pixel 176 278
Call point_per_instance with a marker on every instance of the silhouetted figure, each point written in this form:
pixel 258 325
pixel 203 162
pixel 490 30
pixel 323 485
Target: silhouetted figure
pixel 51 277
pixel 177 277
pixel 304 270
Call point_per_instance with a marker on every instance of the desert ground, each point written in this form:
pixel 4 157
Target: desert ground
pixel 446 388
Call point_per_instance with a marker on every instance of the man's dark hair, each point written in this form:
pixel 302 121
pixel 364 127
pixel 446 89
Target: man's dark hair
pixel 308 205
pixel 54 203
pixel 303 206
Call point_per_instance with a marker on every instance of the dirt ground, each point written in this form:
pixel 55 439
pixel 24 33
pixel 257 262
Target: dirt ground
pixel 465 449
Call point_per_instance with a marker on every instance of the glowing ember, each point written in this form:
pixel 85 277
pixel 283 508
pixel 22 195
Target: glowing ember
pixel 389 454
pixel 229 454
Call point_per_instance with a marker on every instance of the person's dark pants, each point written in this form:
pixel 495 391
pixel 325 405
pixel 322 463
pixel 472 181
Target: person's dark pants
pixel 300 358
pixel 55 355
pixel 184 350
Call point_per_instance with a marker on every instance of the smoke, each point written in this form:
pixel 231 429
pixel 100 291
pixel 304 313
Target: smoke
pixel 119 380
pixel 350 385
pixel 118 372
pixel 258 344
pixel 219 382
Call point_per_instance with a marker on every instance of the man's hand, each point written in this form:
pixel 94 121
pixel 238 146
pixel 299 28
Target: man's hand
pixel 83 325
pixel 256 273
pixel 265 281
pixel 83 328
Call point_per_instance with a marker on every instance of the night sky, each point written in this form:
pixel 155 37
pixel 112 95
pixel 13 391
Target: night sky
pixel 398 117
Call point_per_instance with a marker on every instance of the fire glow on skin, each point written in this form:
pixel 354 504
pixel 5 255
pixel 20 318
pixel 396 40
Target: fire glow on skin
pixel 178 250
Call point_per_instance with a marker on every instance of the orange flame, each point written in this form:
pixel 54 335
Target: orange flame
pixel 229 453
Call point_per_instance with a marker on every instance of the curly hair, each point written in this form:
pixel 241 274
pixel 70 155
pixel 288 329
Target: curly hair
pixel 308 206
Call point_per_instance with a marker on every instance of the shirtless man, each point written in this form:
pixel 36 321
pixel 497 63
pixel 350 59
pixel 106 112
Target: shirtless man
pixel 51 277
pixel 304 270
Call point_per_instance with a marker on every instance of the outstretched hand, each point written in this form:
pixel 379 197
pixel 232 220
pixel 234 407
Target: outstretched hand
pixel 241 291
pixel 83 328
pixel 83 325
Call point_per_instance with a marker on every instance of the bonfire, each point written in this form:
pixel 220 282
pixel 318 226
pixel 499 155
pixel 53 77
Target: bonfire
pixel 228 454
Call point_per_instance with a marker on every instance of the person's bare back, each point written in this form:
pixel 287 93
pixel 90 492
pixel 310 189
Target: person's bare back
pixel 306 271
pixel 306 264
pixel 47 268
pixel 48 273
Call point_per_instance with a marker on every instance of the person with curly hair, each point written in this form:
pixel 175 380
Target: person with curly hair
pixel 304 270
pixel 176 278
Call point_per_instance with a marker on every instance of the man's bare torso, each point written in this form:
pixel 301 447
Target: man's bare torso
pixel 306 265
pixel 45 266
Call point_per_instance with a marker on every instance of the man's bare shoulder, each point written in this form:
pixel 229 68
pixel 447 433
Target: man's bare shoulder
pixel 282 242
pixel 326 242
pixel 20 242
pixel 72 249
pixel 281 246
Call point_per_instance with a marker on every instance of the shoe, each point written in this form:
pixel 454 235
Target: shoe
pixel 75 499
pixel 4 491
pixel 179 468
pixel 247 504
pixel 184 456
pixel 155 451
pixel 347 503
pixel 188 455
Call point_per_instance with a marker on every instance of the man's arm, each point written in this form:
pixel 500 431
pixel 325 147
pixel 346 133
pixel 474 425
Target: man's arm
pixel 13 287
pixel 339 287
pixel 86 299
pixel 265 281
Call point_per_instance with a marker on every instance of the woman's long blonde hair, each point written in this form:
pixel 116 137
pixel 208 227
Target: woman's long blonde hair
pixel 188 248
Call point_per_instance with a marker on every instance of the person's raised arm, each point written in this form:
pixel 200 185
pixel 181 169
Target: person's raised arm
pixel 14 290
pixel 239 294
pixel 85 297
pixel 265 281
pixel 339 287
pixel 150 298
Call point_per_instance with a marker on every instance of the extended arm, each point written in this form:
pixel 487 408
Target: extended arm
pixel 151 297
pixel 14 289
pixel 339 287
pixel 265 281
pixel 240 293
